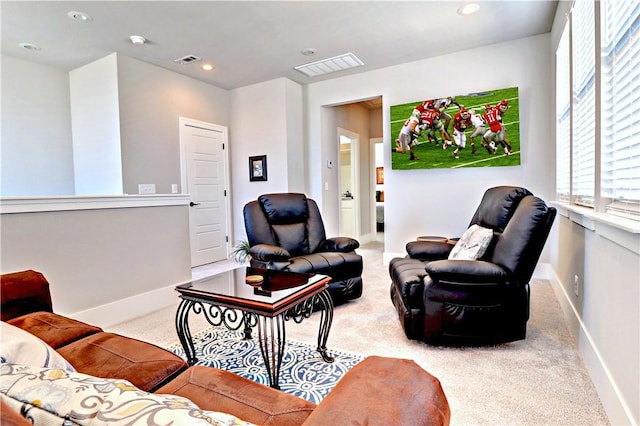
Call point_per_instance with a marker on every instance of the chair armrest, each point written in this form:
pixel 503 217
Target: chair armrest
pixel 387 391
pixel 467 271
pixel 341 244
pixel 268 253
pixel 23 293
pixel 219 390
pixel 428 250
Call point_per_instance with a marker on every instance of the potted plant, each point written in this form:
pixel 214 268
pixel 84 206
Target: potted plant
pixel 241 252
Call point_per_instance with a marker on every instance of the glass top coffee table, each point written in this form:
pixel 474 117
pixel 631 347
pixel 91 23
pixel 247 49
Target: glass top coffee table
pixel 249 297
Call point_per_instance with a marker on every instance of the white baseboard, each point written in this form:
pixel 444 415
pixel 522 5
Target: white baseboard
pixel 614 404
pixel 113 313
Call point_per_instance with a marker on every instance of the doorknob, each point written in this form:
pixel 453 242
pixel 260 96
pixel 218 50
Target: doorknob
pixel 194 204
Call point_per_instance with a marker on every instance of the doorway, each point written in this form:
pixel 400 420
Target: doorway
pixel 205 168
pixel 349 183
pixel 377 187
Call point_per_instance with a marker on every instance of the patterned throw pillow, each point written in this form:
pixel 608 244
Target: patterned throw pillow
pixel 473 243
pixel 50 396
pixel 21 347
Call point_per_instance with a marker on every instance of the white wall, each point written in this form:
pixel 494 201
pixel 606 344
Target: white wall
pixel 96 128
pixel 125 125
pixel 260 126
pixel 295 137
pixel 101 257
pixel 440 201
pixel 37 155
pixel 151 99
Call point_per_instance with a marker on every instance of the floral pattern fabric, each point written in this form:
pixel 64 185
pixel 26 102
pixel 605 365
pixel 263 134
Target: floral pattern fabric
pixel 54 396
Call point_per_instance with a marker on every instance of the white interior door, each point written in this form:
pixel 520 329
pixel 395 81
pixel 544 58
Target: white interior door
pixel 205 170
pixel 350 197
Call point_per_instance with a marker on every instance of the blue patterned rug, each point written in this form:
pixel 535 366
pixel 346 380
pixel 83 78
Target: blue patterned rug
pixel 303 372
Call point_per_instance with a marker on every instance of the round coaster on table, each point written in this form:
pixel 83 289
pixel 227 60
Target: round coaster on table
pixel 254 279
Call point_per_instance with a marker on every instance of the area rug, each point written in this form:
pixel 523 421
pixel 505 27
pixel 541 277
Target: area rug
pixel 303 372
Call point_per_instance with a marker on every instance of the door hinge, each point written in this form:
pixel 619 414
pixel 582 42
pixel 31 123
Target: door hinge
pixel 223 146
pixel 227 238
pixel 225 192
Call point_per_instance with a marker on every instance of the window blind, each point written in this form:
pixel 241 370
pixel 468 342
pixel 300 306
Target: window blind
pixel 583 122
pixel 620 145
pixel 563 119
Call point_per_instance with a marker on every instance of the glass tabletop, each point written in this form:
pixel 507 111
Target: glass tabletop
pixel 231 287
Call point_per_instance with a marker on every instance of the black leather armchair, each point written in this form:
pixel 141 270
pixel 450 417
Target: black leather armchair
pixel 444 301
pixel 286 232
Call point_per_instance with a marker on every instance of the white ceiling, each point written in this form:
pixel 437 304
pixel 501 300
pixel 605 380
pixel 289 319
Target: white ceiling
pixel 254 41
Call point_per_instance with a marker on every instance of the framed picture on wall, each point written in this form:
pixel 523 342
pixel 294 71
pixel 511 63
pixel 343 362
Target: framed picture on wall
pixel 379 175
pixel 479 129
pixel 258 168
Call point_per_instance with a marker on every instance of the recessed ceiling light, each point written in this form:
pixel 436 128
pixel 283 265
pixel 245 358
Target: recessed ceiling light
pixel 79 16
pixel 469 8
pixel 29 46
pixel 136 39
pixel 208 67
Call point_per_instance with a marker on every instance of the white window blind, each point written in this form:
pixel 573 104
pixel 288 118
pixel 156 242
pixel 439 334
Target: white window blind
pixel 583 120
pixel 620 145
pixel 563 119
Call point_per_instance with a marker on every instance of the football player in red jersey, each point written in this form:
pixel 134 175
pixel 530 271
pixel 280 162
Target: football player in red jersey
pixel 419 109
pixel 461 122
pixel 431 121
pixel 502 109
pixel 491 138
pixel 441 105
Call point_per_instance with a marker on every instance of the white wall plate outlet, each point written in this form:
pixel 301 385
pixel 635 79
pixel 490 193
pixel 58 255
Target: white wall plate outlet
pixel 146 188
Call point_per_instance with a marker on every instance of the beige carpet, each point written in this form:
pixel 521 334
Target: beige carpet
pixel 537 381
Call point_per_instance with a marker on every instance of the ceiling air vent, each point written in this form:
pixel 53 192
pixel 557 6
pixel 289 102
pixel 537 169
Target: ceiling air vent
pixel 325 66
pixel 187 59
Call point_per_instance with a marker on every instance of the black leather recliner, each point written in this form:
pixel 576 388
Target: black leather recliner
pixel 286 232
pixel 443 301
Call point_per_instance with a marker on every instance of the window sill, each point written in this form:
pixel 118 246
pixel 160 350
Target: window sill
pixel 624 232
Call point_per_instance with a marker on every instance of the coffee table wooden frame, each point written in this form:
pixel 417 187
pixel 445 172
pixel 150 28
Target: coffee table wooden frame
pixel 234 312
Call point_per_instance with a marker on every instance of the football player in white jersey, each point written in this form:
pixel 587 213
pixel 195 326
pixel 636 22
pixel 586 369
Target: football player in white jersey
pixel 441 105
pixel 479 128
pixel 408 136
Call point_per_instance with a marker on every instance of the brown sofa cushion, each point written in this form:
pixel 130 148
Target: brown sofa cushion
pixel 113 356
pixel 384 388
pixel 24 292
pixel 218 390
pixel 11 417
pixel 54 329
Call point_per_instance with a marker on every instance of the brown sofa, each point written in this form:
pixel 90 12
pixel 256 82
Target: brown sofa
pixel 377 391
